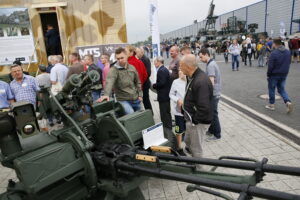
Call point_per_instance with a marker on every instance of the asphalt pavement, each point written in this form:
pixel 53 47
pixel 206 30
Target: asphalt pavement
pixel 249 83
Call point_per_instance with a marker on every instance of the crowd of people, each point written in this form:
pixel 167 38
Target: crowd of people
pixel 192 93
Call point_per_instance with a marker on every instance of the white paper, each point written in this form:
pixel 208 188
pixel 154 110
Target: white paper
pixel 154 136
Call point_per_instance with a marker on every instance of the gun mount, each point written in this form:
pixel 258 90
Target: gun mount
pixel 101 157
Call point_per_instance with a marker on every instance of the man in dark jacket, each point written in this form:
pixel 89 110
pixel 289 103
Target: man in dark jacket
pixel 96 89
pixel 141 55
pixel 278 69
pixel 197 106
pixel 163 86
pixel 53 41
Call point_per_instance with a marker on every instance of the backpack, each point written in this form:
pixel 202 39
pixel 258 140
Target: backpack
pixel 249 48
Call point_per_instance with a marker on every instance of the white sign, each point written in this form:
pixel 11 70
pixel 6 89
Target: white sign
pixel 154 28
pixel 16 38
pixel 154 136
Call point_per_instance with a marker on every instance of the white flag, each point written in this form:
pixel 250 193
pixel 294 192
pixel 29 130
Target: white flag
pixel 154 28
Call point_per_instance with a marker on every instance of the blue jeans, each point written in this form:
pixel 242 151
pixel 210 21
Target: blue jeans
pixel 96 95
pixel 278 82
pixel 215 127
pixel 261 61
pixel 235 59
pixel 131 106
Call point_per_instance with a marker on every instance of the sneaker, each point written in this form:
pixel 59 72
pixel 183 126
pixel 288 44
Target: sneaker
pixel 237 69
pixel 212 138
pixel 181 152
pixel 289 106
pixel 187 151
pixel 270 107
pixel 209 134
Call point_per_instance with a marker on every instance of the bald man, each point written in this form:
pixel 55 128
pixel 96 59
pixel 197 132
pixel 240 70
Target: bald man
pixel 197 105
pixel 174 64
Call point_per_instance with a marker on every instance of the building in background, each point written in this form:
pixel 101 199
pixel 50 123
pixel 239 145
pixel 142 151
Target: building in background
pixel 272 17
pixel 79 23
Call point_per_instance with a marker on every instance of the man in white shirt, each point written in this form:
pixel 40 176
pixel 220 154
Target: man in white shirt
pixel 58 72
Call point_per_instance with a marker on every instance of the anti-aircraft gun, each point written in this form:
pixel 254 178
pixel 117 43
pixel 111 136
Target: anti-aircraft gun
pixel 101 157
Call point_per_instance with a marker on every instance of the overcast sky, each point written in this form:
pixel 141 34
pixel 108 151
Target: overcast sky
pixel 172 14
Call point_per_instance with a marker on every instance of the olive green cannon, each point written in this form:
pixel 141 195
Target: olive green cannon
pixel 101 155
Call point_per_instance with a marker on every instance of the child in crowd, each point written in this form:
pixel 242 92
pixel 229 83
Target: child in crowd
pixel 177 95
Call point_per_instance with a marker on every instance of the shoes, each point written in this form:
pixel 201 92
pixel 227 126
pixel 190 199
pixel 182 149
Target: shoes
pixel 289 106
pixel 187 151
pixel 209 134
pixel 237 69
pixel 270 107
pixel 212 138
pixel 181 152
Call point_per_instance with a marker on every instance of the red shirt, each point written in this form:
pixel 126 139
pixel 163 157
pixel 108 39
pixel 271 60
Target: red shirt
pixel 140 68
pixel 295 43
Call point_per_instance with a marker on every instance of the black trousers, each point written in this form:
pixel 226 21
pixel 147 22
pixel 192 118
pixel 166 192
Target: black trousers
pixel 166 118
pixel 146 99
pixel 165 114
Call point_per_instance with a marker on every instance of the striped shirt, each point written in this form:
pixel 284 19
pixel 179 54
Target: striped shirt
pixel 25 90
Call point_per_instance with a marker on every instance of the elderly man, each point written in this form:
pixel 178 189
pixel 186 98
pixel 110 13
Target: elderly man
pixel 59 71
pixel 174 64
pixel 140 55
pixel 23 87
pixel 6 96
pixel 124 79
pixel 197 105
pixel 163 87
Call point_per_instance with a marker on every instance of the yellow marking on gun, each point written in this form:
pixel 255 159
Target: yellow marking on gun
pixel 161 149
pixel 145 158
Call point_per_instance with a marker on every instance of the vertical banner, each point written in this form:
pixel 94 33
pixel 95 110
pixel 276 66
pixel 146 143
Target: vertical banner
pixel 154 28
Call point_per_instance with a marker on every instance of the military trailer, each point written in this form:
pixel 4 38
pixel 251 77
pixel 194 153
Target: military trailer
pixel 23 25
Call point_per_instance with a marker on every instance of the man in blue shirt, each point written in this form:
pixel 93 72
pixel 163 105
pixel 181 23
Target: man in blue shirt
pixel 278 69
pixel 23 87
pixel 6 96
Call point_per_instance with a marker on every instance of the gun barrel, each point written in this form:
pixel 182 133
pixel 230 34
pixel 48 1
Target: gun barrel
pixel 232 187
pixel 279 169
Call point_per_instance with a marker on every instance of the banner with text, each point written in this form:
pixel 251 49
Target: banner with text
pixel 98 50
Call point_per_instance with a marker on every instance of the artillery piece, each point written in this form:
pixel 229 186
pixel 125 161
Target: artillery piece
pixel 101 157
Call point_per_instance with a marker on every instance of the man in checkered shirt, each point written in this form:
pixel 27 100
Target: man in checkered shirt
pixel 23 87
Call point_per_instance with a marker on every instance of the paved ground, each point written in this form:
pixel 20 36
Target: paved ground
pixel 241 136
pixel 247 84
